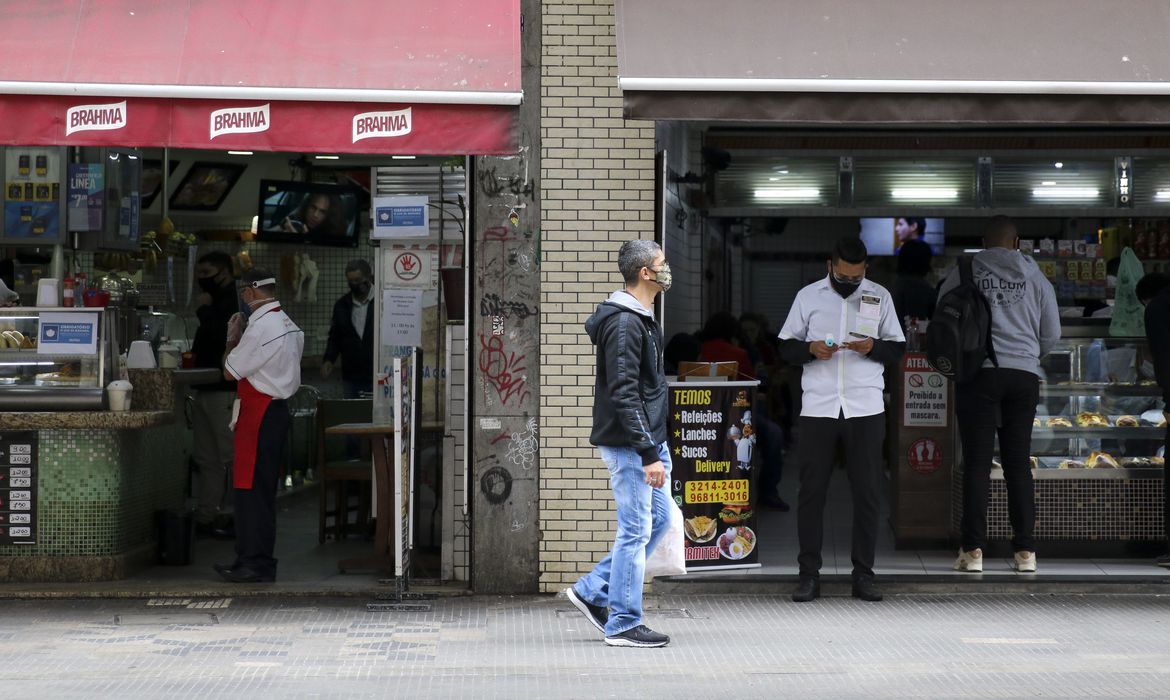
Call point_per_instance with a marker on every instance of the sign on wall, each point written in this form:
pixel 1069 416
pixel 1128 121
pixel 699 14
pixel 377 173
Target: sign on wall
pixel 32 193
pixel 18 488
pixel 401 216
pixel 924 394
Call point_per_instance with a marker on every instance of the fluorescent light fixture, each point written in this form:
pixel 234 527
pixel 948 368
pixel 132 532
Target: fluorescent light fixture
pixel 1058 165
pixel 239 153
pixel 789 193
pixel 782 171
pixel 773 179
pixel 934 194
pixel 1162 195
pixel 132 157
pixel 401 157
pixel 328 157
pixel 1065 193
pixel 972 251
pixel 1048 183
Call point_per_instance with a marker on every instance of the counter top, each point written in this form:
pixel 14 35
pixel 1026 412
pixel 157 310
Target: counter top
pixel 84 420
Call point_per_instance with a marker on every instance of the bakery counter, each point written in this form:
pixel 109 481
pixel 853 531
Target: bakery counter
pixel 98 479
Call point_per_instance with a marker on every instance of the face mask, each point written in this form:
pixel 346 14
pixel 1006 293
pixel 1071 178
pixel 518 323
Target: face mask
pixel 845 289
pixel 361 289
pixel 663 278
pixel 245 307
pixel 208 284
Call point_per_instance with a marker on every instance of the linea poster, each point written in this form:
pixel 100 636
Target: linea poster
pixel 715 469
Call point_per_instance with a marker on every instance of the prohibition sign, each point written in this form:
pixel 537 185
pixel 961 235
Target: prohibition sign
pixel 915 381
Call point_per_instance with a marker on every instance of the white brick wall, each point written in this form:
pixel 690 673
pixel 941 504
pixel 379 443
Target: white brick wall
pixel 597 190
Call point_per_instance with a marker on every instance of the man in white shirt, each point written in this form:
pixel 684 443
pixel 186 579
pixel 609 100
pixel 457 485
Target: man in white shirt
pixel 264 357
pixel 843 330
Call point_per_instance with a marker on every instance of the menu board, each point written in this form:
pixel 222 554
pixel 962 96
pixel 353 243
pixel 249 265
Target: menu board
pixel 18 488
pixel 715 467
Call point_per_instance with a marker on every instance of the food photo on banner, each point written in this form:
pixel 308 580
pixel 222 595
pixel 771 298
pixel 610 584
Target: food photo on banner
pixel 715 466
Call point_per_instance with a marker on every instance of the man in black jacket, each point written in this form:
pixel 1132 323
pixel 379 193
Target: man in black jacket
pixel 1153 291
pixel 351 332
pixel 629 430
pixel 212 410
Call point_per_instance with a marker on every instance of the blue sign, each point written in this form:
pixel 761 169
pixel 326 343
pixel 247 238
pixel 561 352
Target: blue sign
pixel 67 333
pixel 401 216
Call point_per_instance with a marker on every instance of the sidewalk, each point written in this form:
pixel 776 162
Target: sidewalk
pixel 724 646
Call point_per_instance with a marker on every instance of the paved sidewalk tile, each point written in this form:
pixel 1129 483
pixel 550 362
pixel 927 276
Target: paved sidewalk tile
pixel 910 646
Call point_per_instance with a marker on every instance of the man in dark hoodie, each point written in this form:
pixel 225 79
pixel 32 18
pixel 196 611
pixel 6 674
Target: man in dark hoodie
pixel 1025 324
pixel 629 430
pixel 1154 292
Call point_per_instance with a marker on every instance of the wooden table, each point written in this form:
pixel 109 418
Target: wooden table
pixel 383 558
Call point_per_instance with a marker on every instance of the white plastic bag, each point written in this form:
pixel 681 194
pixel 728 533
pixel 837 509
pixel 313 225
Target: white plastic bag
pixel 668 558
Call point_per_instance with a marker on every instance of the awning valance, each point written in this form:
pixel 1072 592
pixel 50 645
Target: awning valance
pixel 384 76
pixel 909 62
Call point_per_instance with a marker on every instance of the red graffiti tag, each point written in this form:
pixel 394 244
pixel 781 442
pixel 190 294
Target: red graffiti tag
pixel 503 370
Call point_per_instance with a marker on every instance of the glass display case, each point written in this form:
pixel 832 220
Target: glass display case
pixel 55 359
pixel 1100 412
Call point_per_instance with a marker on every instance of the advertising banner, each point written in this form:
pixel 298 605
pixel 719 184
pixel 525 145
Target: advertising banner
pixel 713 446
pixel 32 193
pixel 85 201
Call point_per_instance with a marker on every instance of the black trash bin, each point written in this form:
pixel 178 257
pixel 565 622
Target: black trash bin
pixel 176 536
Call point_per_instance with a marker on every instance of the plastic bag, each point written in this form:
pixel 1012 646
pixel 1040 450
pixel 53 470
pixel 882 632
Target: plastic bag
pixel 1129 316
pixel 668 558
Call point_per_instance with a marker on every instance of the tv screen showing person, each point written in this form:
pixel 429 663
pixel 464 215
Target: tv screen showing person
pixel 885 235
pixel 303 212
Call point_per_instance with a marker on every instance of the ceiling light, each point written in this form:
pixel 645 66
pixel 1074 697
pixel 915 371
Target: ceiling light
pixel 328 157
pixel 1162 195
pixel 132 157
pixel 789 193
pixel 782 171
pixel 239 153
pixel 1065 193
pixel 934 194
pixel 402 157
pixel 1048 183
pixel 773 179
pixel 1058 165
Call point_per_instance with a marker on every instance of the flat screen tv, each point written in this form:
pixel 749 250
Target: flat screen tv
pixel 884 236
pixel 308 212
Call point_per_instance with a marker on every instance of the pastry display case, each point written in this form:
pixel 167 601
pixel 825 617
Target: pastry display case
pixel 1100 412
pixel 55 359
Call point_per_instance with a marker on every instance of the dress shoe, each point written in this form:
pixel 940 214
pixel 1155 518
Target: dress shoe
pixel 807 590
pixel 242 574
pixel 775 502
pixel 865 589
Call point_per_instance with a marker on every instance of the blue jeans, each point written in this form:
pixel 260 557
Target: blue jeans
pixel 643 517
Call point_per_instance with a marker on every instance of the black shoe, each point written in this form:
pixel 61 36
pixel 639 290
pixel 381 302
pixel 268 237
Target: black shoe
pixel 775 502
pixel 242 574
pixel 640 636
pixel 1163 560
pixel 808 590
pixel 865 589
pixel 596 614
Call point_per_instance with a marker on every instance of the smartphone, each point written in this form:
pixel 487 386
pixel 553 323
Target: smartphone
pixel 859 336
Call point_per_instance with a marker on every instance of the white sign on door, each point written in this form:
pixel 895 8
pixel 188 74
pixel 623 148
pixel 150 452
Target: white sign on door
pixel 924 394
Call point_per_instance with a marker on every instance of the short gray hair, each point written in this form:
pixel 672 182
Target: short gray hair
pixel 634 255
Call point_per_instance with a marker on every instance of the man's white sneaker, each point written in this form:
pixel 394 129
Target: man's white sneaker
pixel 970 561
pixel 1026 562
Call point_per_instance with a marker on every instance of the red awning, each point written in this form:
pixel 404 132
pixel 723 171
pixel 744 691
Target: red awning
pixel 358 76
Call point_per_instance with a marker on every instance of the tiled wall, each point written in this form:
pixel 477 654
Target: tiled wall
pixel 597 191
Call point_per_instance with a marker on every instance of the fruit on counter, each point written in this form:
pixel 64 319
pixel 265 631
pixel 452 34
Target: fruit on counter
pixel 166 227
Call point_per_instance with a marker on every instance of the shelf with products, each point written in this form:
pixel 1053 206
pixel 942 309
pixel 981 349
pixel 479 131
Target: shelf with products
pixel 1100 413
pixel 54 359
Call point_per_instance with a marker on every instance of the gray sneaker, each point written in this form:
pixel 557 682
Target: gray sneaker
pixel 640 636
pixel 596 614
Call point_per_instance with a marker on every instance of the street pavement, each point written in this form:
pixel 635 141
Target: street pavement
pixel 723 646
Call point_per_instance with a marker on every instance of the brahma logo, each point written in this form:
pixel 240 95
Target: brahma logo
pixel 95 117
pixel 369 125
pixel 240 120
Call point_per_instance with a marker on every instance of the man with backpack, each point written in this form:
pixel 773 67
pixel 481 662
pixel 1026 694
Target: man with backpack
pixel 997 372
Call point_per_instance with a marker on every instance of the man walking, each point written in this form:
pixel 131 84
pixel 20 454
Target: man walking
pixel 629 430
pixel 1025 324
pixel 843 330
pixel 1154 292
pixel 265 360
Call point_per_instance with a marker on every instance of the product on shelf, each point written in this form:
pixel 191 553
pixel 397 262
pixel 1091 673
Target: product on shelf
pixel 1070 464
pixel 1128 422
pixel 1088 419
pixel 1059 422
pixel 1101 460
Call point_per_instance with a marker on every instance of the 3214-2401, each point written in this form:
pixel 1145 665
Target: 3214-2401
pixel 716 491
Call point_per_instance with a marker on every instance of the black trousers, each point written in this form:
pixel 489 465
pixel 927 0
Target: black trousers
pixel 255 508
pixel 816 447
pixel 999 401
pixel 1166 490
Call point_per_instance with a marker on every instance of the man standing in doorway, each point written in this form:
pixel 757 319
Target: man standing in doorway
pixel 629 430
pixel 351 332
pixel 843 330
pixel 212 410
pixel 1002 399
pixel 1154 292
pixel 264 357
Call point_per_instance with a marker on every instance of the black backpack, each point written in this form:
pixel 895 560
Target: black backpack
pixel 958 339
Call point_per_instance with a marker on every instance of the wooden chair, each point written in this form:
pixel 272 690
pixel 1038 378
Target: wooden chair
pixel 336 470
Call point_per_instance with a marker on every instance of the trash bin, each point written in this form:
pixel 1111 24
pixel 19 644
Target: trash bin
pixel 176 535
